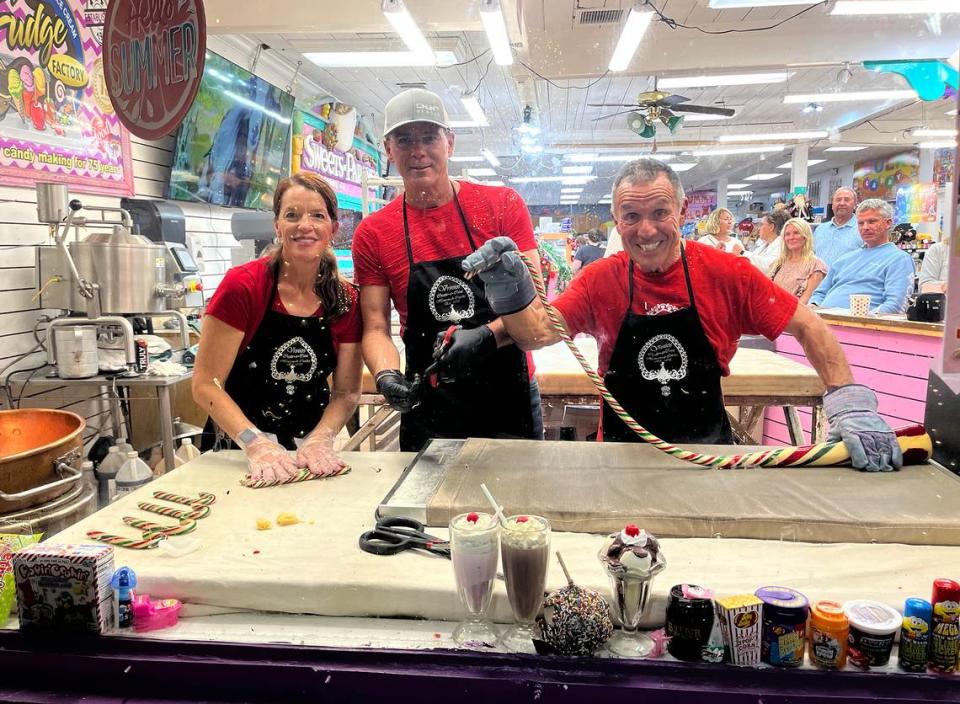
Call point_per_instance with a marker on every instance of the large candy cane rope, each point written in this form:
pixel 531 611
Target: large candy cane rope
pixel 204 500
pixel 822 454
pixel 304 475
pixel 186 525
pixel 146 543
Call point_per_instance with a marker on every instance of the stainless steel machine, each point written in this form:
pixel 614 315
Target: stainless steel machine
pixel 110 275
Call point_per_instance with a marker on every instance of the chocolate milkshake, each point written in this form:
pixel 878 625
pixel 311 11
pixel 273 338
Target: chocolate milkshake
pixel 525 547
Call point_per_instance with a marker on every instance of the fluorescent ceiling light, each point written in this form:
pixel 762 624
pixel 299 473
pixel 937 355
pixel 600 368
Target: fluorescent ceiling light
pixel 940 144
pixel 496 30
pixel 769 149
pixel 536 179
pixel 735 186
pixel 576 180
pixel 851 96
pixel 572 190
pixel 405 27
pixel 844 149
pixel 481 172
pixel 577 170
pixel 531 148
pixel 739 193
pixel 490 157
pixel 466 158
pixel 895 7
pixel 682 167
pixel 633 31
pixel 493 183
pixel 952 113
pixel 810 162
pixel 762 177
pixel 569 199
pixel 933 133
pixel 379 59
pixel 760 136
pixel 472 106
pixel 698 117
pixel 592 158
pixel 725 79
pixel 727 4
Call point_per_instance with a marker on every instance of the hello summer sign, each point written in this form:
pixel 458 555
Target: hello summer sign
pixel 56 120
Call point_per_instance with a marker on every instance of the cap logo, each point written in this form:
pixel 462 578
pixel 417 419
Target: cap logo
pixel 425 107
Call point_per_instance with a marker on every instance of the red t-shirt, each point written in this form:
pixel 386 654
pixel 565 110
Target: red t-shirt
pixel 733 298
pixel 241 299
pixel 380 254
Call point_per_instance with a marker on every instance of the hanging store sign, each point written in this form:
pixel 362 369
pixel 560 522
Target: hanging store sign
pixel 153 59
pixel 56 122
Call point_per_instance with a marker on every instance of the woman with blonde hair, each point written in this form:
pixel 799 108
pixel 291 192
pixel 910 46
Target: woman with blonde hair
pixel 274 331
pixel 797 269
pixel 719 229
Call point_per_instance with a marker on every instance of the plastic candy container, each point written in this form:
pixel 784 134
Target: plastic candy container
pixel 915 635
pixel 689 621
pixel 872 629
pixel 945 626
pixel 784 626
pixel 829 630
pixel 154 615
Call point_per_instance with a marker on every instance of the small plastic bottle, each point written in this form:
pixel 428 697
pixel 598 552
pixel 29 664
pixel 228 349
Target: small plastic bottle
pixel 187 451
pixel 133 474
pixel 107 473
pixel 88 476
pixel 829 632
pixel 123 581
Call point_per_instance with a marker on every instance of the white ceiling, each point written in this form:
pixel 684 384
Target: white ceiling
pixel 560 67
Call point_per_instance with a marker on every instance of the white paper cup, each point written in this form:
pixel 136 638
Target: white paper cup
pixel 860 304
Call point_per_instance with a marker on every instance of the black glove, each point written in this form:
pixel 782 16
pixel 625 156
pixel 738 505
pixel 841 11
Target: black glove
pixel 507 284
pixel 461 358
pixel 400 393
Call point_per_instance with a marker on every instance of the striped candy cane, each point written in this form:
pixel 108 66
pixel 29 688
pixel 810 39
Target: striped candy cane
pixel 186 525
pixel 145 543
pixel 304 475
pixel 199 512
pixel 204 500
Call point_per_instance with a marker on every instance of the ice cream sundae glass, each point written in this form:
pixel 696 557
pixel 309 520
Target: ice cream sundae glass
pixel 631 558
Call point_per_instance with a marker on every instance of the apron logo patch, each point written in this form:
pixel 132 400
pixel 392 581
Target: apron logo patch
pixel 451 300
pixel 293 361
pixel 662 359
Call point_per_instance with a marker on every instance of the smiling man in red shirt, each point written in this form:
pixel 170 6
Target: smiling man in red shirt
pixel 411 252
pixel 667 316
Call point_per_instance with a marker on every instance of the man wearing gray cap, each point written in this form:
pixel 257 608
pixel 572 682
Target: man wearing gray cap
pixel 410 252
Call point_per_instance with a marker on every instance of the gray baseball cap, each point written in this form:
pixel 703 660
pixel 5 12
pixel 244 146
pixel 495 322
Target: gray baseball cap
pixel 414 105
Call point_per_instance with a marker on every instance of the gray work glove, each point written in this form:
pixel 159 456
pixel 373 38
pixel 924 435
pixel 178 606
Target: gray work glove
pixel 852 412
pixel 506 280
pixel 400 393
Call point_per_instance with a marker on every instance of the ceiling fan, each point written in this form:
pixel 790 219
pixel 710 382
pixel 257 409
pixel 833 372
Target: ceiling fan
pixel 655 105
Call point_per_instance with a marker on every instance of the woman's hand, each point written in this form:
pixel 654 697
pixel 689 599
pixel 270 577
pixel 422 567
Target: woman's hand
pixel 269 460
pixel 317 453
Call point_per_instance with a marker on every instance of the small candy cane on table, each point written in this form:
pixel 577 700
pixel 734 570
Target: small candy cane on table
pixel 146 543
pixel 304 475
pixel 199 512
pixel 186 525
pixel 204 500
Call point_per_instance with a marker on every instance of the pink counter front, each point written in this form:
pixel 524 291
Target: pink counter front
pixel 890 356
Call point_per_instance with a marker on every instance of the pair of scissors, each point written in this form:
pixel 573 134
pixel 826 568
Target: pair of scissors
pixel 391 536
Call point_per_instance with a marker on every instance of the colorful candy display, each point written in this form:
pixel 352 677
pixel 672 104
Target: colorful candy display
pixel 305 475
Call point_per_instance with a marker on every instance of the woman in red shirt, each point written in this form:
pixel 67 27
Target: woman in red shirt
pixel 275 330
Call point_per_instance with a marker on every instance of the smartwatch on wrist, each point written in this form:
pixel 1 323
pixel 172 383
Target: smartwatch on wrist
pixel 247 436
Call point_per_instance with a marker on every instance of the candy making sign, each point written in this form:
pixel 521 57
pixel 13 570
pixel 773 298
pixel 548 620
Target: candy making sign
pixel 56 121
pixel 153 58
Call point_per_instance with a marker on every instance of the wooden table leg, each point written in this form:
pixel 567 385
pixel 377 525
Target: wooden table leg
pixel 818 424
pixel 792 418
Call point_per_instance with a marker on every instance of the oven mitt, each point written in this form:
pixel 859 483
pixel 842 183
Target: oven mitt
pixel 507 283
pixel 852 412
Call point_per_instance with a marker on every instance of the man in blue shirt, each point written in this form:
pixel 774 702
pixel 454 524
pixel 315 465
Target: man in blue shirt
pixel 877 269
pixel 838 236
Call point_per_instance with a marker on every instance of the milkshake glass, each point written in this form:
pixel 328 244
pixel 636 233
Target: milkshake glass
pixel 525 548
pixel 631 558
pixel 474 548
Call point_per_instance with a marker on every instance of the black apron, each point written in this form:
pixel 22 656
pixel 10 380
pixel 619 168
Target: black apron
pixel 665 373
pixel 280 379
pixel 495 401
